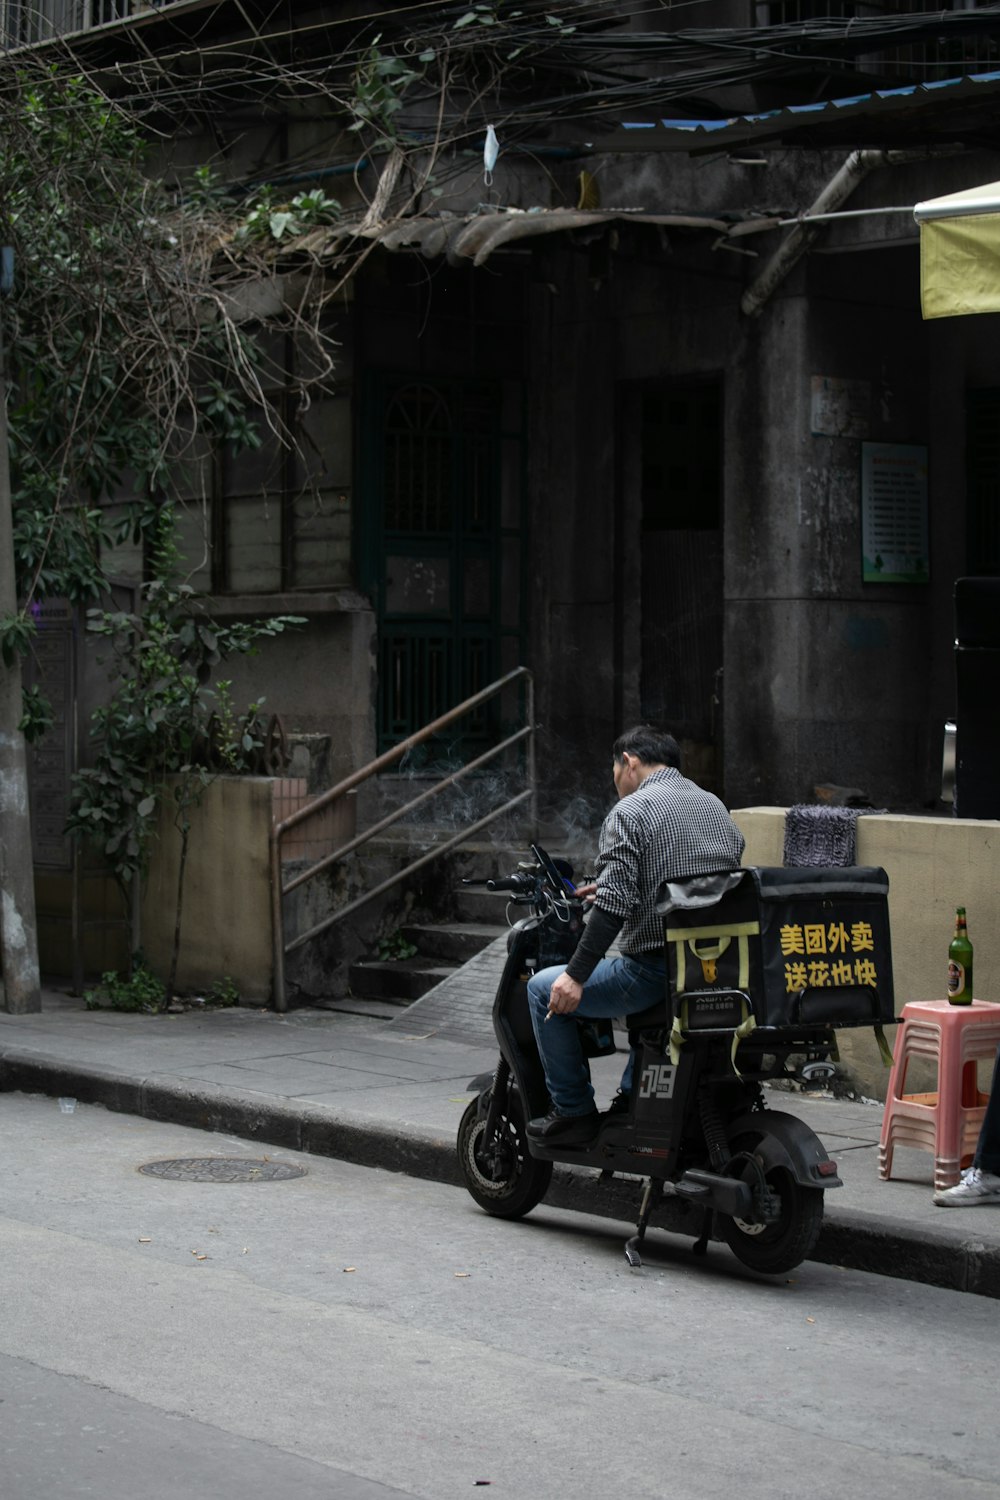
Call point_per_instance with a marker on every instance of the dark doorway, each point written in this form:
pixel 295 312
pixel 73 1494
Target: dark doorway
pixel 682 581
pixel 983 482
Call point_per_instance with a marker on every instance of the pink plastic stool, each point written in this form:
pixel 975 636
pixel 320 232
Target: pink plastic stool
pixel 946 1122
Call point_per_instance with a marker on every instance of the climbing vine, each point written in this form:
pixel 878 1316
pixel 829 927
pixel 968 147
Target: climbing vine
pixel 125 341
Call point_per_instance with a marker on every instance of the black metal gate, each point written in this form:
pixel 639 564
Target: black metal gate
pixel 441 532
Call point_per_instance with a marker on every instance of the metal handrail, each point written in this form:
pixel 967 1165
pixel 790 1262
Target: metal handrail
pixel 311 809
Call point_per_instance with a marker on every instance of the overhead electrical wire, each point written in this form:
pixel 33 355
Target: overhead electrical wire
pixel 226 70
pixel 676 45
pixel 854 33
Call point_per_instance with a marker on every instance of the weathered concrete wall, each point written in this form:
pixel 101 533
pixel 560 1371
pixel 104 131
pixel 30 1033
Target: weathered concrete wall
pixel 319 677
pixel 827 678
pixel 605 323
pixel 934 865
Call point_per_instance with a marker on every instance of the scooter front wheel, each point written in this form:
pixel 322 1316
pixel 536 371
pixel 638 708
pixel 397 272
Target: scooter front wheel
pixel 502 1176
pixel 783 1244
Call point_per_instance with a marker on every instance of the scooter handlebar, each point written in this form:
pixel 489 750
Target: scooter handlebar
pixel 521 884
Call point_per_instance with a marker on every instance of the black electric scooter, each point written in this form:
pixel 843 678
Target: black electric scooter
pixel 697 1121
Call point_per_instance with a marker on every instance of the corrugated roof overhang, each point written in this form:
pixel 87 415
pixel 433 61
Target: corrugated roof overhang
pixel 945 109
pixel 470 239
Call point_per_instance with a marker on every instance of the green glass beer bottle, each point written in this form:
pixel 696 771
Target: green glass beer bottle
pixel 960 963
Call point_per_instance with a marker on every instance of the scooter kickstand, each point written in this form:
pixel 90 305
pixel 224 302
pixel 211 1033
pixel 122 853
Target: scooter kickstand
pixel 652 1193
pixel 701 1243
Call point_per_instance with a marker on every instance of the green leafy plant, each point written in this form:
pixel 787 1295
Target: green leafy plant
pixel 380 82
pixel 104 283
pixel 36 717
pixel 223 993
pixel 395 947
pixel 16 633
pixel 138 991
pixel 231 739
pixel 271 220
pixel 162 721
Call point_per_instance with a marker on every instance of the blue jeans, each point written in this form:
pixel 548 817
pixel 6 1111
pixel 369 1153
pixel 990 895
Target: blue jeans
pixel 617 987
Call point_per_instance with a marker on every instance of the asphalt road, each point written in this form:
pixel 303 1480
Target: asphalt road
pixel 356 1334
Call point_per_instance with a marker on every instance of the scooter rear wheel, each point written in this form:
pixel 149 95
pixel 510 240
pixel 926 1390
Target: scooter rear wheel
pixel 502 1176
pixel 783 1245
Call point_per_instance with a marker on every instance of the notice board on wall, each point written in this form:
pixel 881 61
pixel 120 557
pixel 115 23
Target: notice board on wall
pixel 894 543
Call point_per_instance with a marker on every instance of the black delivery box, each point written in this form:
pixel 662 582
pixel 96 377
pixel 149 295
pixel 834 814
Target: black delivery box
pixel 809 946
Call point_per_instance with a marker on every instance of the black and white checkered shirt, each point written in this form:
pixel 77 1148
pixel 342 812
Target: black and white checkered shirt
pixel 666 829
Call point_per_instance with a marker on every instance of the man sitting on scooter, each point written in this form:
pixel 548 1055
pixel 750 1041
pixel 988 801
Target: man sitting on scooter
pixel 664 827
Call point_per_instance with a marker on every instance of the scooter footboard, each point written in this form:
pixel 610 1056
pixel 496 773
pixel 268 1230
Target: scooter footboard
pixel 783 1140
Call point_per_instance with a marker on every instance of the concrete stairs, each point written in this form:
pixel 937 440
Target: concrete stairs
pixel 380 988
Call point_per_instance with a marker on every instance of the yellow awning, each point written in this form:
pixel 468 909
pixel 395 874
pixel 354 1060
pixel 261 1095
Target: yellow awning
pixel 960 252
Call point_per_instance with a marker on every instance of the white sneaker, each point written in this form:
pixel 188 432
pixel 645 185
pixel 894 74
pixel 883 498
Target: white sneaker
pixel 975 1187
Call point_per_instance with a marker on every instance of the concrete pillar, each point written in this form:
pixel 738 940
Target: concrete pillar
pixel 18 931
pixel 826 675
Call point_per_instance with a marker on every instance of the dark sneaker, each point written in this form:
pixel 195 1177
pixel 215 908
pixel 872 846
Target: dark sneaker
pixel 564 1130
pixel 618 1106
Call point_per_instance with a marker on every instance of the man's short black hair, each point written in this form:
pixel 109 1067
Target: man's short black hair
pixel 654 747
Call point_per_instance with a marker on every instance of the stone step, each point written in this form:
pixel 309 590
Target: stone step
pixel 479 860
pixel 356 1005
pixel 455 942
pixel 399 980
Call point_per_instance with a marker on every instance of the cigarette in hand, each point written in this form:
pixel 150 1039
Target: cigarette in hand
pixel 549 1014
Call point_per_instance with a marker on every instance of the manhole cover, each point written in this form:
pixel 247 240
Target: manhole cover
pixel 222 1169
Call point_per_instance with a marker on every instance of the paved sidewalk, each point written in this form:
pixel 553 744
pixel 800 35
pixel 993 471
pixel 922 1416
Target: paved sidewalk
pixel 390 1094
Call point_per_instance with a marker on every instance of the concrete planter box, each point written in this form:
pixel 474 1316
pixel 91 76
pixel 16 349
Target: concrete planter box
pixel 226 923
pixel 226 918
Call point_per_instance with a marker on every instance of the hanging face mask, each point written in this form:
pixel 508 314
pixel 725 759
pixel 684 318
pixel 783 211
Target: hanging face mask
pixel 491 150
